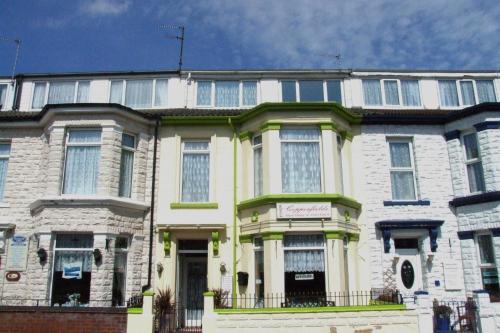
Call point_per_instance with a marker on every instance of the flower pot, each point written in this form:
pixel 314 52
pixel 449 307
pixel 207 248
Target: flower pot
pixel 443 324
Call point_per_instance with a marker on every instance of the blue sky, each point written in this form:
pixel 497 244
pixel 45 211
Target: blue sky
pixel 88 35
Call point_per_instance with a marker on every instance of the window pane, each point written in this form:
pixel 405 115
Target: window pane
pixel 161 92
pixel 467 93
pixel 195 177
pixel 410 92
pixel 288 91
pixel 119 279
pixel 61 92
pixel 227 94
pixel 4 162
pixel 485 91
pixel 490 280
pixel 81 241
pixel 126 167
pixel 196 145
pixel 300 167
pixel 257 171
pixel 391 92
pixel 4 149
pixel 448 93
pixel 486 249
pixel 475 175
pixel 471 148
pixel 311 91
pixel 128 140
pixel 82 170
pixel 402 185
pixel 334 91
pixel 139 93
pixel 249 93
pixel 257 140
pixel 82 136
pixel 3 94
pixel 39 95
pixel 341 167
pixel 82 95
pixel 400 155
pixel 315 240
pixel 371 92
pixel 116 92
pixel 299 134
pixel 204 93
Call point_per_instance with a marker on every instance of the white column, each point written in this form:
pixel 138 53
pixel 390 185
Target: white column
pixel 271 161
pixel 330 169
pixel 424 309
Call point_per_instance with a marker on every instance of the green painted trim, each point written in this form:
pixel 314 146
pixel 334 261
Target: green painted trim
pixel 347 135
pixel 188 205
pixel 270 126
pixel 309 197
pixel 166 243
pixel 246 239
pixel 215 243
pixel 235 214
pixel 272 236
pixel 208 294
pixel 334 234
pixel 148 293
pixel 134 310
pixel 353 237
pixel 388 307
pixel 328 126
pixel 245 136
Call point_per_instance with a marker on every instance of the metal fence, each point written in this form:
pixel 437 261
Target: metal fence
pixel 308 300
pixel 179 319
pixel 455 316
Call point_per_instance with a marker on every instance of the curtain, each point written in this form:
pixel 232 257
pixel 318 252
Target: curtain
pixel 334 91
pixel 448 93
pixel 138 93
pixel 227 94
pixel 82 95
pixel 115 95
pixel 4 162
pixel 391 92
pixel 341 165
pixel 300 161
pixel 486 249
pixel 161 92
pixel 371 92
pixel 195 172
pixel 485 91
pixel 471 148
pixel 400 154
pixel 204 93
pixel 249 93
pixel 402 185
pixel 304 260
pixel 314 240
pixel 39 95
pixel 66 257
pixel 126 167
pixel 475 175
pixel 288 91
pixel 3 94
pixel 311 91
pixel 467 89
pixel 410 92
pixel 257 172
pixel 61 92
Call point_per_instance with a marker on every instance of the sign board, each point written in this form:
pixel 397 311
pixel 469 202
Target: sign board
pixel 302 277
pixel 451 276
pixel 227 285
pixel 13 276
pixel 17 253
pixel 309 210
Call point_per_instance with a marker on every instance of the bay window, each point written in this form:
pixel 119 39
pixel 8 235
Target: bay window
pixel 195 171
pixel 143 93
pixel 257 166
pixel 489 272
pixel 402 170
pixel 311 91
pixel 473 163
pixel 454 93
pixel 4 162
pixel 341 166
pixel 225 94
pixel 83 149
pixel 300 160
pixel 126 165
pixel 60 92
pixel 396 92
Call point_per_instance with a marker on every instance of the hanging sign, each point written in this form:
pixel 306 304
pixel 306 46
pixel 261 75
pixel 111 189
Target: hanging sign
pixel 309 210
pixel 17 254
pixel 302 277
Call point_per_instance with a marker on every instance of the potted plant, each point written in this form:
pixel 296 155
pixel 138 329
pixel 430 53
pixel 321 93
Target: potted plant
pixel 442 314
pixel 164 309
pixel 220 298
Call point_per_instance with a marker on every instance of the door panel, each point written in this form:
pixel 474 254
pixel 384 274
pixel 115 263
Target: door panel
pixel 408 271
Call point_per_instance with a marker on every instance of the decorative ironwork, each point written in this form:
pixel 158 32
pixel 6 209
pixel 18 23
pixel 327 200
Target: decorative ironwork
pixel 455 316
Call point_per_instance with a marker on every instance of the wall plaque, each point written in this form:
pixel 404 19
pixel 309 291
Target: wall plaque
pixel 310 210
pixel 13 276
pixel 17 253
pixel 451 276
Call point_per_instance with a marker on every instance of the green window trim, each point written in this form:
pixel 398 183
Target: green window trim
pixel 347 135
pixel 148 293
pixel 246 239
pixel 245 136
pixel 334 234
pixel 272 236
pixel 309 197
pixel 194 205
pixel 361 308
pixel 166 243
pixel 215 243
pixel 134 310
pixel 208 294
pixel 328 126
pixel 353 237
pixel 270 126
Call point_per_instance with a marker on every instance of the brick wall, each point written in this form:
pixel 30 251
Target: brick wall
pixel 62 320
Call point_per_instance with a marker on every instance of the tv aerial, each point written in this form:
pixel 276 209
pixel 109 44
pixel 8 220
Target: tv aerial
pixel 179 36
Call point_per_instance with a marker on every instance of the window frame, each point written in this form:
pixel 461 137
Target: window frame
pixel 153 91
pixel 459 91
pixel 325 90
pixel 133 150
pixel 400 104
pixel 125 251
pixel 472 161
pixel 210 171
pixel 5 157
pixel 478 254
pixel 78 144
pixel 413 168
pixel 254 148
pixel 47 84
pixel 240 94
pixel 3 105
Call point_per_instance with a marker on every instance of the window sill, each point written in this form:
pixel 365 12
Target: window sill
pixel 4 205
pixel 476 198
pixel 194 205
pixel 87 201
pixel 407 203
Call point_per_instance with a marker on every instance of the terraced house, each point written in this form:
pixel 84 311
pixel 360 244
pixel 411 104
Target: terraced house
pixel 275 190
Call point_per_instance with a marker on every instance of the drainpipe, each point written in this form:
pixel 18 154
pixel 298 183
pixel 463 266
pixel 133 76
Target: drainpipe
pixel 152 212
pixel 235 208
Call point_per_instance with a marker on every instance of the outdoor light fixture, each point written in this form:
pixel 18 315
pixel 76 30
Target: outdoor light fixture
pixel 97 256
pixel 159 268
pixel 42 256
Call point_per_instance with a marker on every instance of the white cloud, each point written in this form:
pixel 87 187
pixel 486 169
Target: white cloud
pixel 105 7
pixel 367 33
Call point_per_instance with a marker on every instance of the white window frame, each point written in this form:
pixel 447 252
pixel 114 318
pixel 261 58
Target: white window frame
pixel 413 169
pixel 339 152
pixel 384 104
pixel 319 141
pixel 133 150
pixel 210 170
pixel 459 91
pixel 5 157
pixel 78 144
pixel 47 89
pixel 478 254
pixel 3 105
pixel 325 89
pixel 126 251
pixel 153 93
pixel 471 161
pixel 240 94
pixel 254 148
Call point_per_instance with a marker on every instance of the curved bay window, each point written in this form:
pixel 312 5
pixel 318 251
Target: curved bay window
pixel 72 269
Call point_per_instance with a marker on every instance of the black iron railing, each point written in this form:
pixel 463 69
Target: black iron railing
pixel 455 316
pixel 179 318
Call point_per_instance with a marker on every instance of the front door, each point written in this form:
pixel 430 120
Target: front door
pixel 193 285
pixel 408 271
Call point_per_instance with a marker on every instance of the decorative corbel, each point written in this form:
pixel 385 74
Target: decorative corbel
pixel 433 233
pixel 166 243
pixel 215 242
pixel 386 234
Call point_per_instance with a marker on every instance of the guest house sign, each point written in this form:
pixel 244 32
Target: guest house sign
pixel 17 254
pixel 310 210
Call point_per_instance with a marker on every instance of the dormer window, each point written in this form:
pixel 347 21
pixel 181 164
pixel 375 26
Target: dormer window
pixel 311 91
pixel 455 93
pixel 60 92
pixel 226 94
pixel 3 96
pixel 395 92
pixel 140 94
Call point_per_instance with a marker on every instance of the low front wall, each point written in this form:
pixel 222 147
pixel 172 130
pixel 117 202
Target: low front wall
pixel 27 319
pixel 396 321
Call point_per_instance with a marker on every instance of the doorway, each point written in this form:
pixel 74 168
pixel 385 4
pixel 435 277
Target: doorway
pixel 408 266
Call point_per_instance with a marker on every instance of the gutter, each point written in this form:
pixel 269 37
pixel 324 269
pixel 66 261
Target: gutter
pixel 235 209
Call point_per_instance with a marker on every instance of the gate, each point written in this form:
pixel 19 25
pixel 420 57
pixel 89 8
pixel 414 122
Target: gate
pixel 180 319
pixel 455 316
